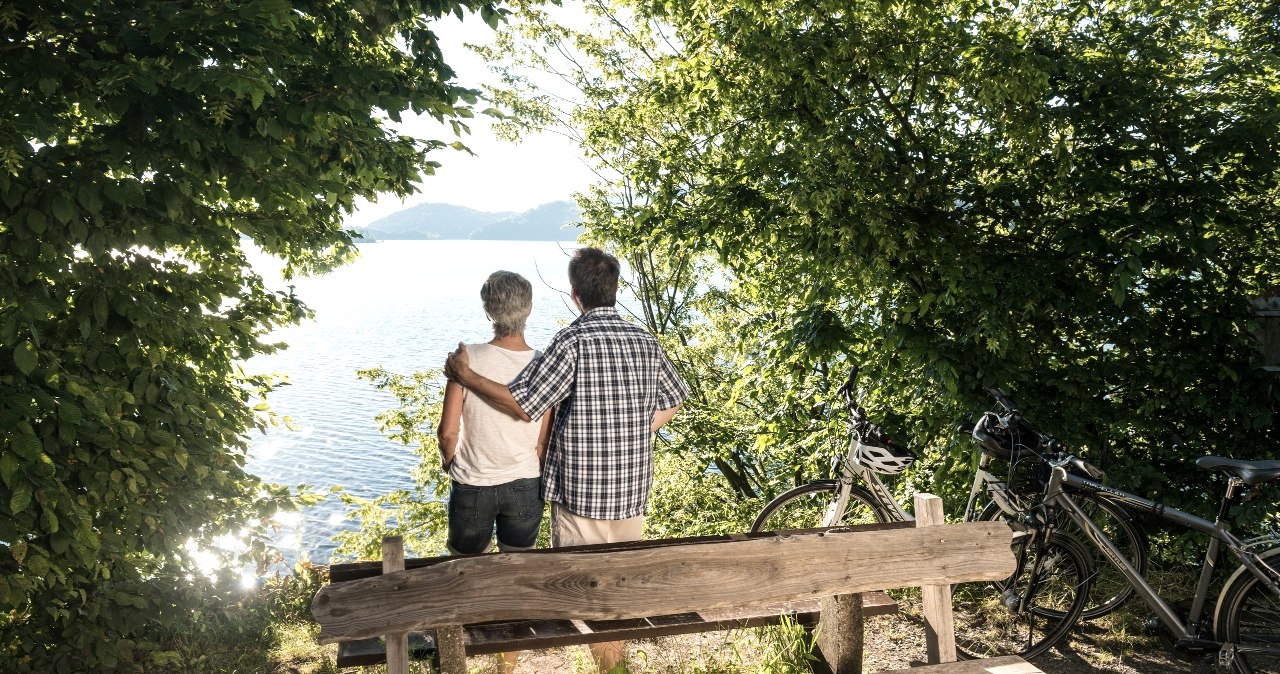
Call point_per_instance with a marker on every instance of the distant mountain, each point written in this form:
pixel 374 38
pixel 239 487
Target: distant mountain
pixel 543 223
pixel 446 221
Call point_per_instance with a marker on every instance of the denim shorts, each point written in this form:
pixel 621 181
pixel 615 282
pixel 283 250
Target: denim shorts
pixel 513 509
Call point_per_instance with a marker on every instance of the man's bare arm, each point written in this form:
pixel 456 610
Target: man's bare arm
pixel 457 368
pixel 661 417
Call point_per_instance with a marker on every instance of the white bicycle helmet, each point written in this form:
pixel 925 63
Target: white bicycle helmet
pixel 887 459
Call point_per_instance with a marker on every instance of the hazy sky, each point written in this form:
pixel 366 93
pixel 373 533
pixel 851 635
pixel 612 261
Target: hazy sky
pixel 503 176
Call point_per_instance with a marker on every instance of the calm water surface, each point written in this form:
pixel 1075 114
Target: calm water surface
pixel 403 306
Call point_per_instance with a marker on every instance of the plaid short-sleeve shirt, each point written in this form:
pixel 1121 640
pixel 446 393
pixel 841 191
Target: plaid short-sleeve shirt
pixel 608 377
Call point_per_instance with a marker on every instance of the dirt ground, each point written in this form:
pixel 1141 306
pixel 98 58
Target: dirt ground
pixel 892 642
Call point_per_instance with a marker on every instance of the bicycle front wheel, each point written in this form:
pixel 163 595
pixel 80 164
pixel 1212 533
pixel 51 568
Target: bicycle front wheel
pixel 1109 588
pixel 806 506
pixel 1249 617
pixel 1029 612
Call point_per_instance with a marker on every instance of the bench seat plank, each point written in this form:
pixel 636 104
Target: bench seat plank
pixel 515 635
pixel 1009 664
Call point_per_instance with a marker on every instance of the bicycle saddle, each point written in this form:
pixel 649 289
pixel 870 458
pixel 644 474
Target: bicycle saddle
pixel 1249 472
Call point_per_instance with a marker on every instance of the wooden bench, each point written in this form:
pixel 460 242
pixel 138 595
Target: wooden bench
pixel 519 635
pixel 492 603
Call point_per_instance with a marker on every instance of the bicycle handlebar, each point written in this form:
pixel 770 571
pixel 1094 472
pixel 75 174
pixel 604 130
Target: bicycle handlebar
pixel 1001 398
pixel 857 416
pixel 1013 420
pixel 846 389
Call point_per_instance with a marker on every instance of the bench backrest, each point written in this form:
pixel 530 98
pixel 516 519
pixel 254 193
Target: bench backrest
pixel 660 579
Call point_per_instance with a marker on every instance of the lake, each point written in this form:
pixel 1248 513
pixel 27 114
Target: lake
pixel 403 306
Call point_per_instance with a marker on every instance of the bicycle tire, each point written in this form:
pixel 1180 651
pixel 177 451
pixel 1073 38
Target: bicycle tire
pixel 987 626
pixel 1109 589
pixel 1248 614
pixel 803 507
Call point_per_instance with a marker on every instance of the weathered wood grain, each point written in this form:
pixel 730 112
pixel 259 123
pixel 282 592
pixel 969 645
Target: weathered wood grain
pixel 939 625
pixel 397 642
pixel 839 634
pixel 450 649
pixel 340 573
pixel 661 580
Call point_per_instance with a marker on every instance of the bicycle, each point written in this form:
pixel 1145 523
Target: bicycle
pixel 1035 608
pixel 1010 500
pixel 1244 627
pixel 1029 624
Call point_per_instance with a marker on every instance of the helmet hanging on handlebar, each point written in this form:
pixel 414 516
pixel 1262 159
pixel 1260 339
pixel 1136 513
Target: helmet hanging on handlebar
pixel 1003 441
pixel 889 458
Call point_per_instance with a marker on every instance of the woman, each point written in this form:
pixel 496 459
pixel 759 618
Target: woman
pixel 494 461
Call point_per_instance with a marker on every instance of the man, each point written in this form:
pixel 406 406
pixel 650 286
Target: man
pixel 612 387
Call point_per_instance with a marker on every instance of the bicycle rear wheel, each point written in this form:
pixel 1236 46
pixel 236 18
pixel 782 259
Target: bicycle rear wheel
pixel 805 507
pixel 1029 612
pixel 1249 616
pixel 1109 588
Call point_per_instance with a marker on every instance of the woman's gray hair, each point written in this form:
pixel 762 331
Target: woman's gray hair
pixel 508 299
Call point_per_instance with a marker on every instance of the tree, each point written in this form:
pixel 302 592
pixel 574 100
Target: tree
pixel 568 78
pixel 143 145
pixel 1075 202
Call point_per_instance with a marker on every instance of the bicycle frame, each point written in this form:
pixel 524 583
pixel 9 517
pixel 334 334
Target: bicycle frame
pixel 985 480
pixel 1218 532
pixel 853 469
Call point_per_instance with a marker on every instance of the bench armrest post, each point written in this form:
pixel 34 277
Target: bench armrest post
pixel 939 627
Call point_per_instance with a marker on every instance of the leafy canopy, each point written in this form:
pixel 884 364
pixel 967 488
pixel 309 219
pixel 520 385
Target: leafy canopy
pixel 143 145
pixel 1077 202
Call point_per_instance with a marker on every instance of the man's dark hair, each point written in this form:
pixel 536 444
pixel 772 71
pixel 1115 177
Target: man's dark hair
pixel 593 274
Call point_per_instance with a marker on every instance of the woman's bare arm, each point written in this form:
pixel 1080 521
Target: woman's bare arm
pixel 544 435
pixel 450 423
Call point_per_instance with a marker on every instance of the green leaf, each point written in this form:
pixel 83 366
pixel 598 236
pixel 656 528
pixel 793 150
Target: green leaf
pixel 63 209
pixel 8 469
pixel 90 198
pixel 28 446
pixel 49 520
pixel 36 222
pixel 38 564
pixel 19 551
pixel 70 412
pixel 9 417
pixel 26 358
pixel 20 499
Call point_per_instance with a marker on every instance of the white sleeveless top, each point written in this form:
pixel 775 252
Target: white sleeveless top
pixel 494 448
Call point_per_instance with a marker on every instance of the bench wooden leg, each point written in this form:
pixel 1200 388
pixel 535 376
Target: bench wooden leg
pixel 840 634
pixel 397 644
pixel 939 627
pixel 450 648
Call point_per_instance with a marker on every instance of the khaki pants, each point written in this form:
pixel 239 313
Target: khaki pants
pixel 570 529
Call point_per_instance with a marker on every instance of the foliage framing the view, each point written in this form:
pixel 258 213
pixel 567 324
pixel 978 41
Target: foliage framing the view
pixel 143 144
pixel 1074 201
